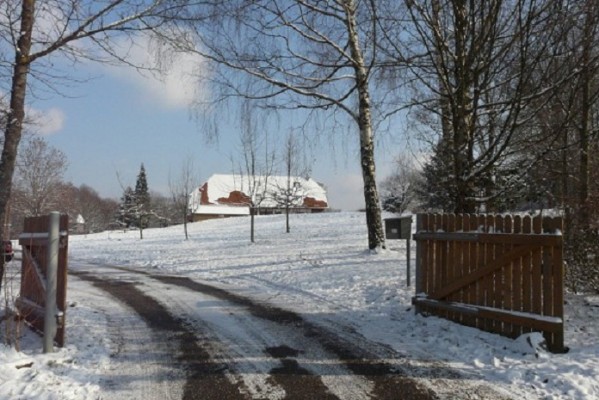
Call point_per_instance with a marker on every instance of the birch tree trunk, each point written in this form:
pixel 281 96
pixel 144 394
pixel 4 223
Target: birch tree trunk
pixel 376 237
pixel 16 113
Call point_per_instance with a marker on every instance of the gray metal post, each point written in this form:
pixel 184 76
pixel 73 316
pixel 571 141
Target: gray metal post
pixel 408 254
pixel 51 282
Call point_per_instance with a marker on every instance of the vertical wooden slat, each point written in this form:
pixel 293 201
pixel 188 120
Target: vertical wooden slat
pixel 517 279
pixel 425 256
pixel 467 260
pixel 558 291
pixel 480 262
pixel 489 224
pixel 547 277
pixel 458 262
pixel 61 292
pixel 475 261
pixel 526 273
pixel 547 287
pixel 434 255
pixel 441 255
pixel 436 274
pixel 508 284
pixel 430 255
pixel 421 259
pixel 547 270
pixel 426 259
pixel 419 249
pixel 499 276
pixel 536 279
pixel 449 226
pixel 444 248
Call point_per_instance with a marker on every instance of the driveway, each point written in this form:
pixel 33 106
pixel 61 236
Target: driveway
pixel 185 339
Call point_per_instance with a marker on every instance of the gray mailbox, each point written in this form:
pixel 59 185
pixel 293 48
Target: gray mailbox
pixel 398 228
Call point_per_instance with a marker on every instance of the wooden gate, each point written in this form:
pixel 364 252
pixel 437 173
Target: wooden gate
pixel 501 274
pixel 31 302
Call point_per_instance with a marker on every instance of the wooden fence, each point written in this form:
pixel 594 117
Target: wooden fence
pixel 500 274
pixel 32 299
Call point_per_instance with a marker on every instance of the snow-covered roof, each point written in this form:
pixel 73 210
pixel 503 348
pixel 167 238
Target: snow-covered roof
pixel 263 191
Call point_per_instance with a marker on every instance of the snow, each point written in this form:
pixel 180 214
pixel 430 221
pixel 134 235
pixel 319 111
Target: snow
pixel 321 270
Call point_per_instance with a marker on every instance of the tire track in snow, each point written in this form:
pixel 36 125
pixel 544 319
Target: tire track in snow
pixel 392 375
pixel 387 380
pixel 128 336
pixel 389 375
pixel 206 378
pixel 249 345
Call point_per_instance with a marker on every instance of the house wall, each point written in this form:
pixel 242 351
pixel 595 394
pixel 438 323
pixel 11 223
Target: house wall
pixel 311 202
pixel 207 217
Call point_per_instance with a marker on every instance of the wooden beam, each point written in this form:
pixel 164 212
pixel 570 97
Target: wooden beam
pixel 540 322
pixel 479 273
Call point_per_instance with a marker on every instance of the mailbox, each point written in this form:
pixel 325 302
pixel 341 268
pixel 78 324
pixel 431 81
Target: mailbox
pixel 398 228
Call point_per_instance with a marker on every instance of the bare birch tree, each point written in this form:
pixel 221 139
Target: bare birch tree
pixel 299 55
pixel 290 195
pixel 258 163
pixel 181 188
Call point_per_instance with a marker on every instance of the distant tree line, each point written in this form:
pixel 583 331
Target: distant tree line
pixel 39 188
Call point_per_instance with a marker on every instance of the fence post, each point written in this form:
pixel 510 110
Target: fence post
pixel 51 281
pixel 409 276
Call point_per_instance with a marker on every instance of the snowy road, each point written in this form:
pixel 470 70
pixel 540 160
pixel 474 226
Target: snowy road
pixel 185 339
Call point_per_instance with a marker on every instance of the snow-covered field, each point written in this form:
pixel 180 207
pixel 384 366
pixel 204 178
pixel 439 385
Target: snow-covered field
pixel 321 270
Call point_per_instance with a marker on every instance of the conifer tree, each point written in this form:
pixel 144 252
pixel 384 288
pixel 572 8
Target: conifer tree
pixel 142 199
pixel 127 214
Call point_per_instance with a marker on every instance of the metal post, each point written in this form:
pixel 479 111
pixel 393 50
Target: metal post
pixel 51 282
pixel 408 254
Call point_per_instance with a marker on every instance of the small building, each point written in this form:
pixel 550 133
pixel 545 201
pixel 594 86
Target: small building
pixel 78 226
pixel 224 196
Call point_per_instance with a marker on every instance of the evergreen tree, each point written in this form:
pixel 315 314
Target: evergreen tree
pixel 127 214
pixel 438 192
pixel 142 198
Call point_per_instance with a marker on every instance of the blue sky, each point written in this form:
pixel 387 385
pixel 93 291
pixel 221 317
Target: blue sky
pixel 120 119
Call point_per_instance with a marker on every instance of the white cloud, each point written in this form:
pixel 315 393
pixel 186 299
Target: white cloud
pixel 46 122
pixel 172 81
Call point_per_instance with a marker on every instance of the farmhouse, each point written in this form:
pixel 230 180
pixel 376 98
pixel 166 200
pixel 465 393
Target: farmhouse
pixel 233 195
